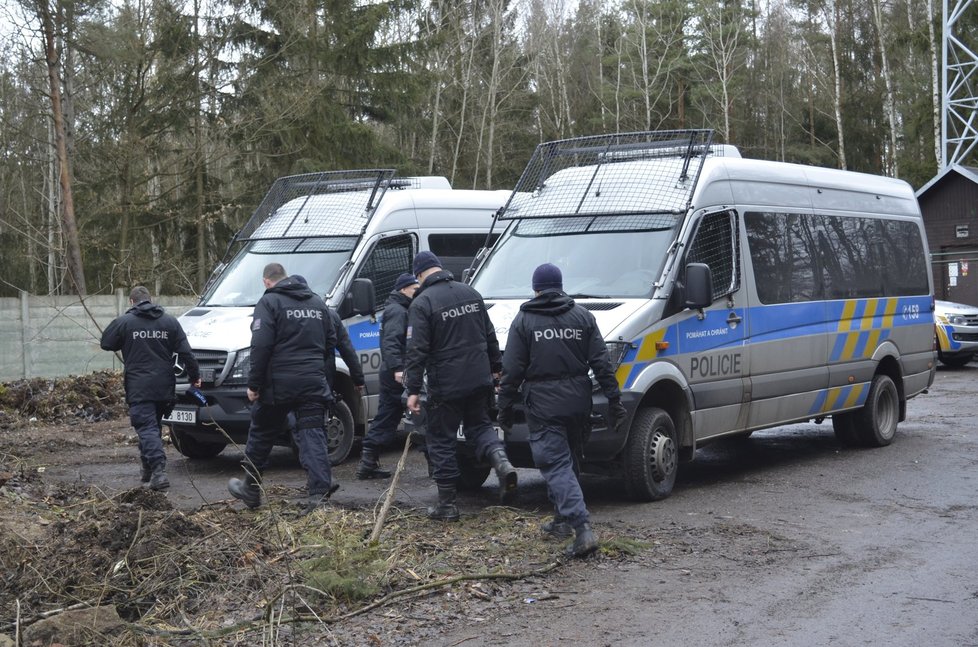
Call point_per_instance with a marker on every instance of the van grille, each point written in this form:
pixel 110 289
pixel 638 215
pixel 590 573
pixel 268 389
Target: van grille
pixel 211 363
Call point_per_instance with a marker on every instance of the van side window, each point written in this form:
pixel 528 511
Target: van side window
pixel 387 260
pixel 784 254
pixel 715 243
pixel 456 251
pixel 853 256
pixel 905 270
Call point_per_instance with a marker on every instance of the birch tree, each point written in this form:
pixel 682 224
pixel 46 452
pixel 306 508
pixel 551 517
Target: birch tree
pixel 889 101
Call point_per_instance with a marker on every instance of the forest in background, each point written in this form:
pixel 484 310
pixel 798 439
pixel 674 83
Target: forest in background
pixel 136 136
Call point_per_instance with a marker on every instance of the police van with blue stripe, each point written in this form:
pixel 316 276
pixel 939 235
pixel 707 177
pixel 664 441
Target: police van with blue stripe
pixel 734 294
pixel 350 234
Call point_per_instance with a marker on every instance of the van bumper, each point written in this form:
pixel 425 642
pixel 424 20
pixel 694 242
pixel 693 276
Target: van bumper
pixel 227 409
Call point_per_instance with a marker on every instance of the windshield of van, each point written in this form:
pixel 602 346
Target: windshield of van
pixel 318 260
pixel 612 256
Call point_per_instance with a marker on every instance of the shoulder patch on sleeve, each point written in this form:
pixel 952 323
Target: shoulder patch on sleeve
pixel 255 324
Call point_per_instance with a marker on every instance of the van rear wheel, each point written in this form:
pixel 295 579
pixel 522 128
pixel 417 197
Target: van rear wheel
pixel 651 455
pixel 876 422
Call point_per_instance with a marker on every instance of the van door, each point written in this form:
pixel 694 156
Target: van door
pixel 712 351
pixel 788 329
pixel 387 258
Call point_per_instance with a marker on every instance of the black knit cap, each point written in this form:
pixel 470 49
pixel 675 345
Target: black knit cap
pixel 404 280
pixel 425 261
pixel 547 277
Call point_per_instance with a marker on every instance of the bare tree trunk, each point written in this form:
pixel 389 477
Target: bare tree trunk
pixel 76 270
pixel 51 222
pixel 833 20
pixel 935 81
pixel 889 103
pixel 199 150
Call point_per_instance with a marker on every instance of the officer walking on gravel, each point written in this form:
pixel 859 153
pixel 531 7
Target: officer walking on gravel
pixel 451 338
pixel 148 339
pixel 393 345
pixel 552 344
pixel 292 339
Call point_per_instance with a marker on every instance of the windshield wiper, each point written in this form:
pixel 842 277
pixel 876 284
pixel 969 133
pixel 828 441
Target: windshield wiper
pixel 581 295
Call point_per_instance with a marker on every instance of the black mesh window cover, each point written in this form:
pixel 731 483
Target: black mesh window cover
pixel 715 244
pixel 301 209
pixel 653 172
pixel 389 258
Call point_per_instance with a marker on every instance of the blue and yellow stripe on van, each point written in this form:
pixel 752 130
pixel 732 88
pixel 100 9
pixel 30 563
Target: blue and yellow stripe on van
pixel 862 325
pixel 643 352
pixel 840 397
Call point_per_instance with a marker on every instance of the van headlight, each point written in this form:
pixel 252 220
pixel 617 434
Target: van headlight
pixel 957 320
pixel 617 350
pixel 241 367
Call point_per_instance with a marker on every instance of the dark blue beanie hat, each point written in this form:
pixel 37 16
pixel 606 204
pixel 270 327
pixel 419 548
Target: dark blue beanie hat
pixel 425 261
pixel 547 277
pixel 404 280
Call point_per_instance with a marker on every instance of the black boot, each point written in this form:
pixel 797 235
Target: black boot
pixel 145 474
pixel 157 479
pixel 558 528
pixel 505 472
pixel 247 489
pixel 446 510
pixel 585 542
pixel 369 467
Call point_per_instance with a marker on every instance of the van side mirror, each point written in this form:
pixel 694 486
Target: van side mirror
pixel 699 286
pixel 466 273
pixel 363 299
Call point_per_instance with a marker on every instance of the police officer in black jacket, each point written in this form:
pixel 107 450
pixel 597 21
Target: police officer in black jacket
pixel 451 338
pixel 393 343
pixel 148 339
pixel 292 339
pixel 552 344
pixel 344 346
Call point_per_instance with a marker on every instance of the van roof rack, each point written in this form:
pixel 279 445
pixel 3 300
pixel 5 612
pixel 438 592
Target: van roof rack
pixel 653 172
pixel 350 216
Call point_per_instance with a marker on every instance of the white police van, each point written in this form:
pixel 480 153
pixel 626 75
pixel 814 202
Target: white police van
pixel 733 294
pixel 957 332
pixel 350 234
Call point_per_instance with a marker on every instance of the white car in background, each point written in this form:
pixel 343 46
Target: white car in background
pixel 957 332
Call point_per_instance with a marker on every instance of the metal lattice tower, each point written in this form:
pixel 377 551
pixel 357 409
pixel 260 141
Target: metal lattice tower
pixel 959 123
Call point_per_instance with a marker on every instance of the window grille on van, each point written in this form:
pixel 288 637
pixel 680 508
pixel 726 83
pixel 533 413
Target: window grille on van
pixel 620 174
pixel 599 306
pixel 715 243
pixel 300 208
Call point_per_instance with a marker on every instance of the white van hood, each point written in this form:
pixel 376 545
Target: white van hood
pixel 222 328
pixel 503 311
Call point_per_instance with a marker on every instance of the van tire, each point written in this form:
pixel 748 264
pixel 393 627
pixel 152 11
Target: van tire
pixel 471 475
pixel 876 422
pixel 844 426
pixel 651 457
pixel 191 447
pixel 339 432
pixel 955 361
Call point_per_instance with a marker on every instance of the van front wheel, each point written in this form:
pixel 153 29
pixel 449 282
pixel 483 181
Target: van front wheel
pixel 651 455
pixel 339 431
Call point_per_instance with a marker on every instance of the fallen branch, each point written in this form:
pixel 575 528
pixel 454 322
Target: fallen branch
pixel 382 517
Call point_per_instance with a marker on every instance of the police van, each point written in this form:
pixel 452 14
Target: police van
pixel 350 234
pixel 956 327
pixel 733 294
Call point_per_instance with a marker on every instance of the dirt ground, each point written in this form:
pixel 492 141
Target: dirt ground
pixel 784 539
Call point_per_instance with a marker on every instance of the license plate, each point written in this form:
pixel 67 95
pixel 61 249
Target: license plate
pixel 182 416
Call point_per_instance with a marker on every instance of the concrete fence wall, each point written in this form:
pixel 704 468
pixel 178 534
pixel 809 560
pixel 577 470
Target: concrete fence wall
pixel 55 336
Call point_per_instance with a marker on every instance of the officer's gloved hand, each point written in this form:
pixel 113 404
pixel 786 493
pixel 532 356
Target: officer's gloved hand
pixel 617 412
pixel 506 417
